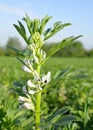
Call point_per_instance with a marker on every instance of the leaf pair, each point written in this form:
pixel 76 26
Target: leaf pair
pixel 56 28
pixel 69 73
pixel 21 30
pixel 59 118
pixel 64 43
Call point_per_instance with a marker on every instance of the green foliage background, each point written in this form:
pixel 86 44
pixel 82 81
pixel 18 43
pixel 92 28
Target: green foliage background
pixel 76 94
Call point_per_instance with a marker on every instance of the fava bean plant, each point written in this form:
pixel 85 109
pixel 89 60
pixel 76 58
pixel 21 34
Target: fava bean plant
pixel 31 90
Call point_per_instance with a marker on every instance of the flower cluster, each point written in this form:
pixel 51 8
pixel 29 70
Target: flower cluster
pixel 35 84
pixel 34 57
pixel 33 87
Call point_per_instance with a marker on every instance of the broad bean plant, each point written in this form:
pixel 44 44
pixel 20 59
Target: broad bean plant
pixel 31 90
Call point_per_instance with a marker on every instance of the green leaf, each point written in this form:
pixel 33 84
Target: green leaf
pixel 21 32
pixel 62 73
pixel 62 44
pixel 16 50
pixel 58 112
pixel 57 27
pixel 65 120
pixel 47 31
pixel 57 23
pixel 28 22
pixel 22 61
pixel 78 74
pixel 58 119
pixel 27 53
pixel 44 21
pixel 19 114
pixel 18 29
pixel 45 125
pixel 27 122
pixel 35 28
pixel 22 27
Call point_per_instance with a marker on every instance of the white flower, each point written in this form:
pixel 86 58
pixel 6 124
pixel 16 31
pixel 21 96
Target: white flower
pixel 46 78
pixel 26 103
pixel 30 84
pixel 26 69
pixel 23 99
pixel 37 87
pixel 28 106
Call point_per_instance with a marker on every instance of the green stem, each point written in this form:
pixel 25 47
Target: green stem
pixel 38 102
pixel 38 110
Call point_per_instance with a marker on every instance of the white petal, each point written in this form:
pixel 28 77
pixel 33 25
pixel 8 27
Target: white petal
pixel 46 78
pixel 32 92
pixel 49 73
pixel 38 86
pixel 26 69
pixel 22 99
pixel 30 84
pixel 29 106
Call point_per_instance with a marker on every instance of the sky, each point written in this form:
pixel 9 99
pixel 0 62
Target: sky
pixel 78 12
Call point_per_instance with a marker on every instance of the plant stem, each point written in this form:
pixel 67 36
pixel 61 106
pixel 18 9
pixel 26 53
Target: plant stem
pixel 38 110
pixel 38 102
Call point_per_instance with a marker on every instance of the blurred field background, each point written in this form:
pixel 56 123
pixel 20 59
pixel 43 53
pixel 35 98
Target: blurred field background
pixel 76 94
pixel 10 67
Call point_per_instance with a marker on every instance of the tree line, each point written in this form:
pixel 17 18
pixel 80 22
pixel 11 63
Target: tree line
pixel 76 49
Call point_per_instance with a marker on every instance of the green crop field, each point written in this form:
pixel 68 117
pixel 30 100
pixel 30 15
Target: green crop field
pixel 10 67
pixel 76 94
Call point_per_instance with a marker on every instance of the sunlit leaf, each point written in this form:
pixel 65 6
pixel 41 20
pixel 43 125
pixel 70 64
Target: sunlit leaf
pixel 21 32
pixel 78 74
pixel 35 27
pixel 58 112
pixel 18 29
pixel 57 23
pixel 22 27
pixel 47 31
pixel 16 50
pixel 61 73
pixel 44 21
pixel 28 23
pixel 65 120
pixel 57 28
pixel 64 43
